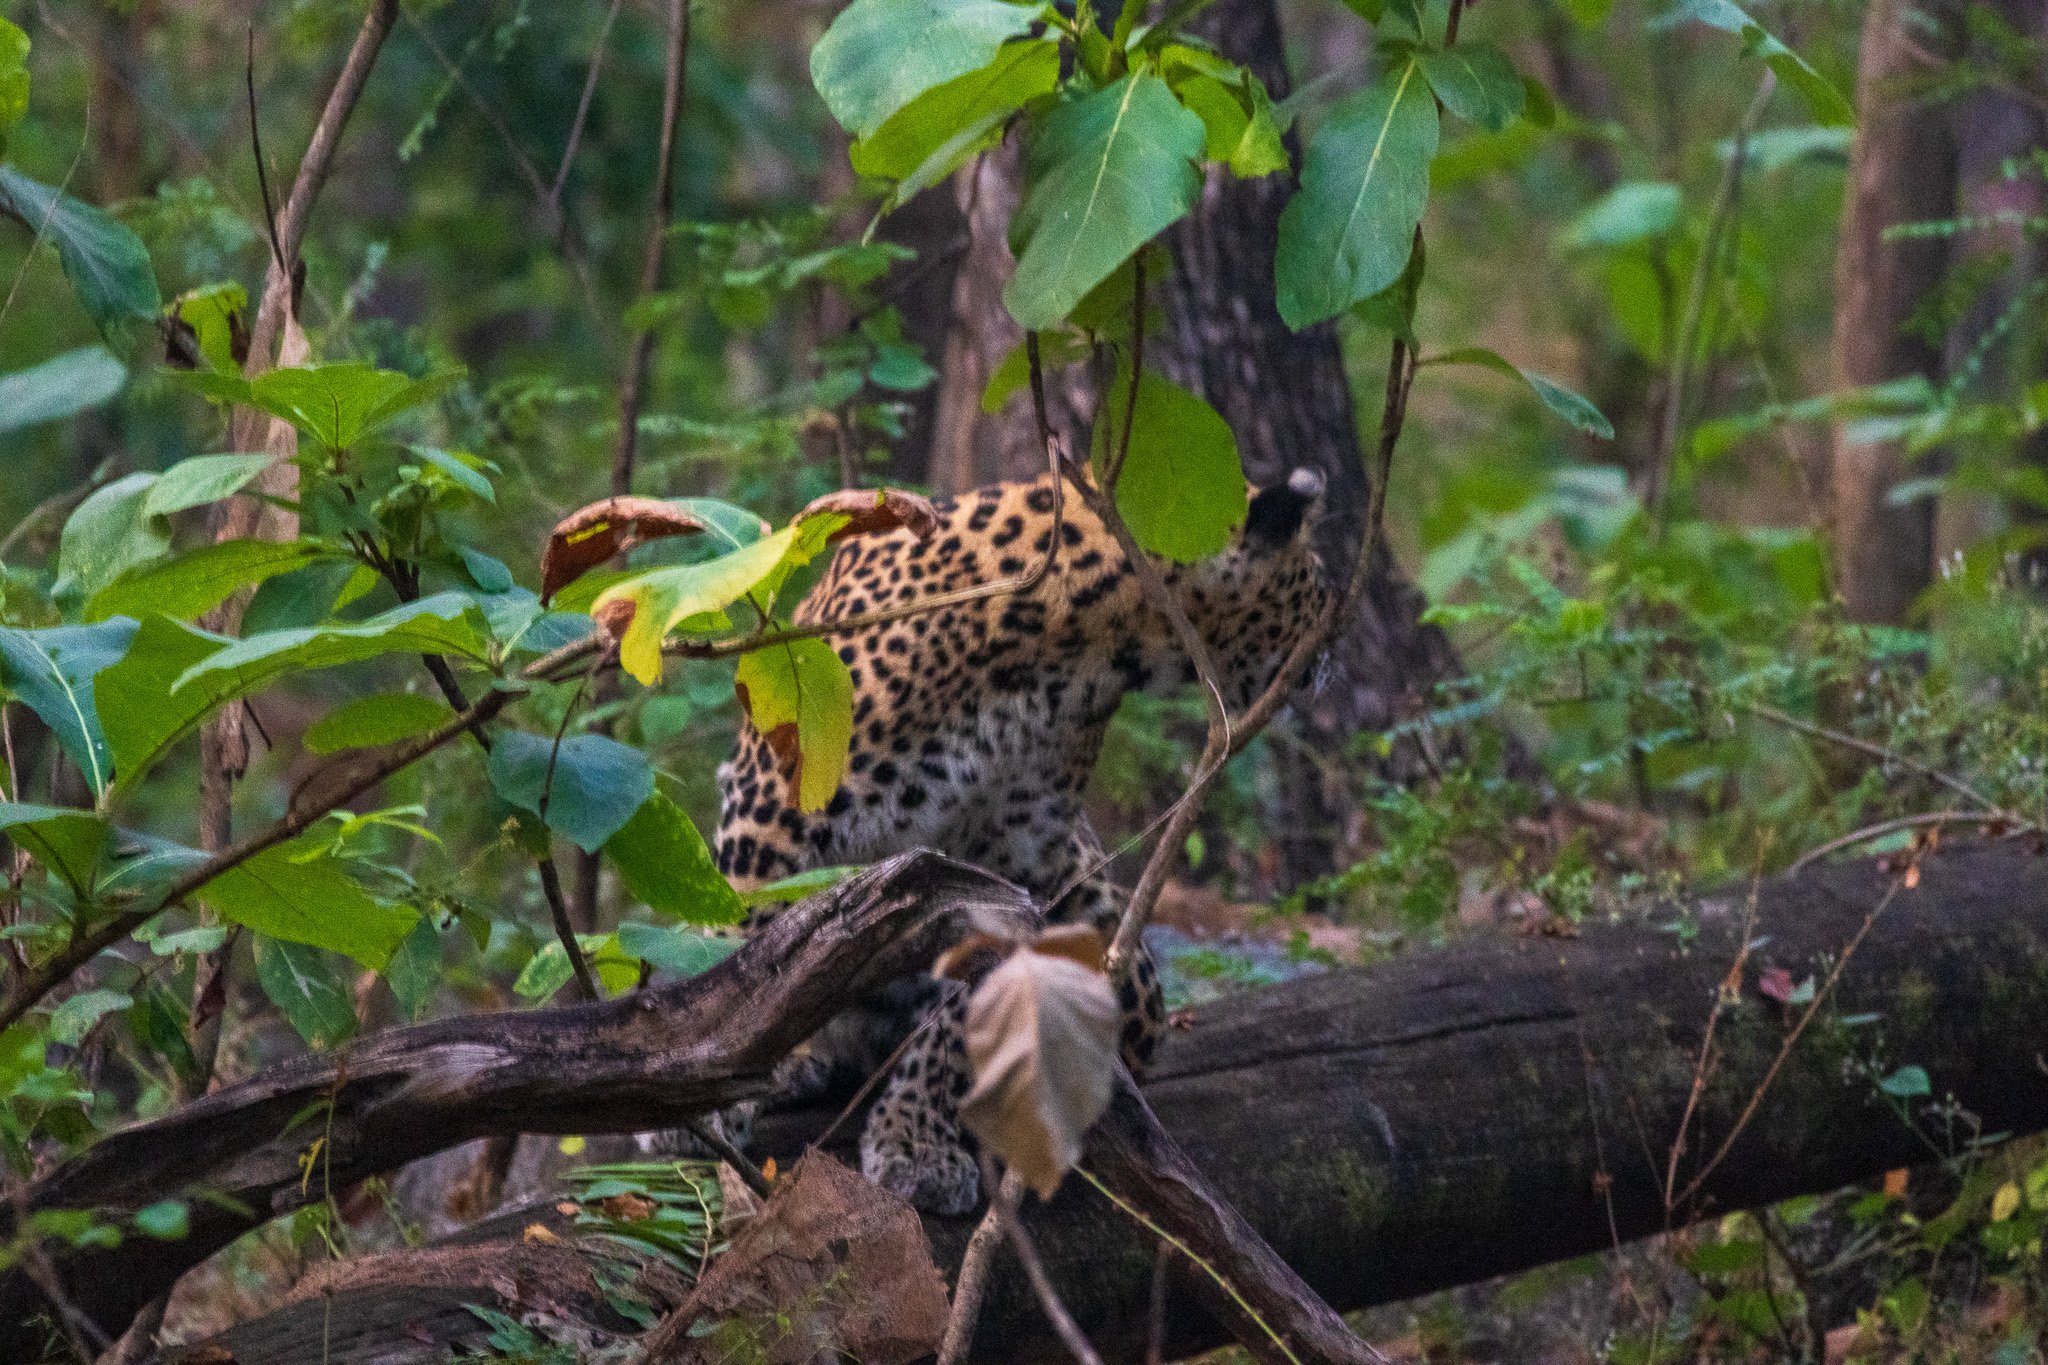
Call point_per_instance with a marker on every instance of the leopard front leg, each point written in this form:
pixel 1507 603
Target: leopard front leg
pixel 913 1143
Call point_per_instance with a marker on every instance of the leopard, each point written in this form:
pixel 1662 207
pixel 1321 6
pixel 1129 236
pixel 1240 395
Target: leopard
pixel 976 727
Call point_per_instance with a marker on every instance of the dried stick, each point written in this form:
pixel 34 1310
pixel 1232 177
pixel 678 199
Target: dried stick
pixel 972 1282
pixel 1728 991
pixel 1070 1332
pixel 1936 818
pixel 1885 755
pixel 575 139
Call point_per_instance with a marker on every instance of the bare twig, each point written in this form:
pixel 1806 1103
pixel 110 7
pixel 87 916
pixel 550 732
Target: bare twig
pixel 1887 755
pixel 1155 1315
pixel 972 1282
pixel 1879 830
pixel 1727 993
pixel 1792 1037
pixel 632 391
pixel 1070 1333
pixel 575 139
pixel 1696 299
pixel 708 1134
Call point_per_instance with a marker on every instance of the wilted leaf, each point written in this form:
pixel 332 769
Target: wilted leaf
pixel 800 697
pixel 640 611
pixel 1042 1039
pixel 872 511
pixel 831 1263
pixel 590 535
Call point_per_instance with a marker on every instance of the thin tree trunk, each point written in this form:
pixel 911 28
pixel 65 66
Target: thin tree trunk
pixel 1902 171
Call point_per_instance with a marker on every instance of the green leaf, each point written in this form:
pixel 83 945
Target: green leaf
pixel 548 970
pixel 1630 212
pixel 1348 232
pixel 52 672
pixel 1477 82
pixel 1907 1083
pixel 166 1220
pixel 587 789
pixel 307 991
pixel 677 951
pixel 339 404
pixel 108 535
pixel 213 312
pixel 796 886
pixel 59 387
pixel 664 598
pixel 927 138
pixel 189 584
pixel 68 842
pixel 1240 128
pixel 144 717
pixel 200 480
pixel 415 970
pixel 13 78
pixel 464 470
pixel 1107 173
pixel 434 625
pixel 107 264
pixel 72 1020
pixel 301 893
pixel 879 55
pixel 370 721
pixel 1182 489
pixel 800 697
pixel 666 866
pixel 1827 103
pixel 1574 408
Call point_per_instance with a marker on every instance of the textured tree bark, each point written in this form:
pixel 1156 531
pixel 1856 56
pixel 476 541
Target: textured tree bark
pixel 1903 170
pixel 1476 1111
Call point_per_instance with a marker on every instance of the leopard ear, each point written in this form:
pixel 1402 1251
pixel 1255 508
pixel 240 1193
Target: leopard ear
pixel 1277 513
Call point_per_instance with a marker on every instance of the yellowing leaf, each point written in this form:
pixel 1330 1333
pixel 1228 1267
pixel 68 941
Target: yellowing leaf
pixel 800 697
pixel 2006 1202
pixel 652 604
pixel 1042 1039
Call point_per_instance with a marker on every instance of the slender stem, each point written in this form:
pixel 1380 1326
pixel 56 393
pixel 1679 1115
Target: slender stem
pixel 1070 1333
pixel 732 1156
pixel 1887 755
pixel 1879 830
pixel 575 139
pixel 975 1264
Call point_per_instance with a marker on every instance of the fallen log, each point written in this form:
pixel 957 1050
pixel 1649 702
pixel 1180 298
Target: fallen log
pixel 1512 1101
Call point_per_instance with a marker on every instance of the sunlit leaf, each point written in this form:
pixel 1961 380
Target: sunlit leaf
pixel 652 604
pixel 800 697
pixel 13 78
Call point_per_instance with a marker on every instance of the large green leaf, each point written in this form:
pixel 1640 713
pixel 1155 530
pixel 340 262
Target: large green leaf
pixel 879 55
pixel 144 717
pixel 188 584
pixel 337 405
pixel 1241 128
pixel 302 983
pixel 1632 211
pixel 107 264
pixel 72 1020
pixel 1108 172
pixel 800 697
pixel 202 479
pixel 370 721
pixel 590 785
pixel 107 535
pixel 921 143
pixel 1182 489
pixel 1827 103
pixel 66 842
pixel 60 386
pixel 1477 82
pixel 52 672
pixel 300 892
pixel 440 624
pixel 666 866
pixel 1573 407
pixel 1348 232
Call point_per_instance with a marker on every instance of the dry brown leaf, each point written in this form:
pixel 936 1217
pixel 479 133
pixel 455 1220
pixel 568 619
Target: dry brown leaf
pixel 875 510
pixel 973 957
pixel 590 535
pixel 627 1208
pixel 541 1233
pixel 1080 943
pixel 831 1264
pixel 1042 1039
pixel 1895 1182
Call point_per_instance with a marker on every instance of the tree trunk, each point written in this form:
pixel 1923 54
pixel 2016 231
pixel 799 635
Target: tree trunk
pixel 1480 1110
pixel 1901 171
